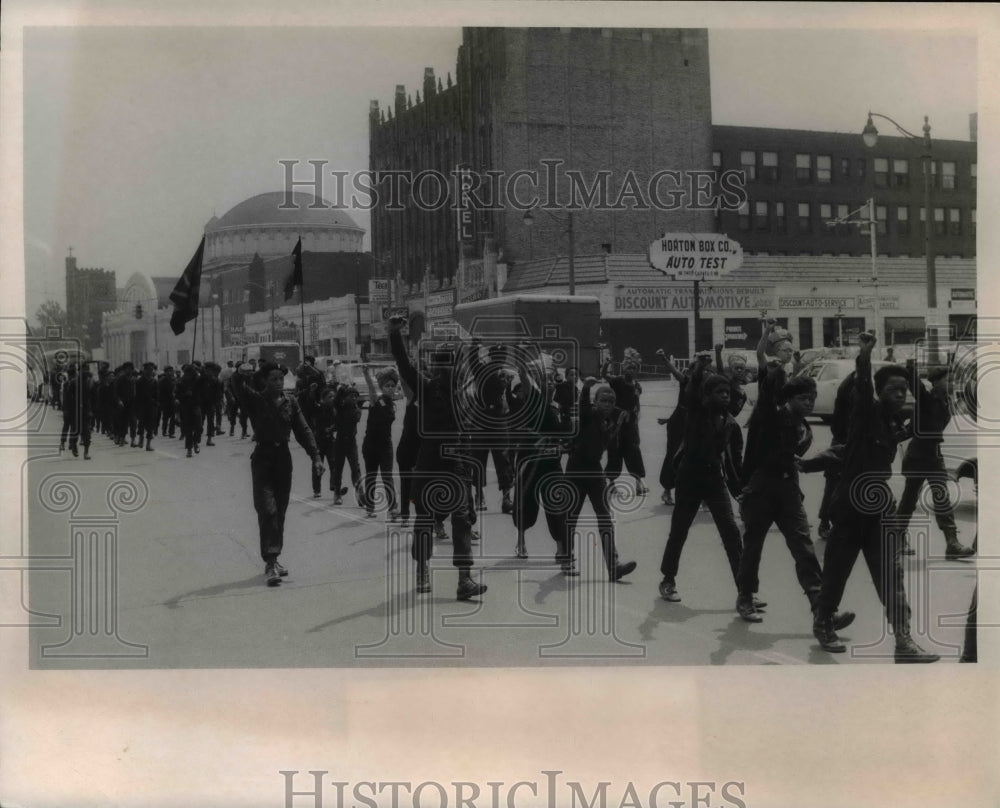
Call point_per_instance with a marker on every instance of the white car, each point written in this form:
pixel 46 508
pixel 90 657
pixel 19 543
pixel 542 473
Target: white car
pixel 829 373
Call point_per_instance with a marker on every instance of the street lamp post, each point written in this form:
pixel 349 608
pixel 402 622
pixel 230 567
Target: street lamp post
pixel 840 327
pixel 870 137
pixel 215 297
pixel 865 216
pixel 529 220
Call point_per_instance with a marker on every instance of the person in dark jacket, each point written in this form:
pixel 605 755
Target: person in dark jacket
pixel 864 509
pixel 345 446
pixel 922 461
pixel 124 404
pixel 406 451
pixel 628 451
pixel 676 425
pixel 440 484
pixel 210 394
pixel 376 448
pixel 490 404
pixel 147 404
pixel 76 407
pixel 165 393
pixel 275 416
pixel 189 401
pixel 600 426
pixel 325 429
pixel 707 472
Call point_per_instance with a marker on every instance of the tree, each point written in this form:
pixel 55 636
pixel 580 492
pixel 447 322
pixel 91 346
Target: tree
pixel 51 313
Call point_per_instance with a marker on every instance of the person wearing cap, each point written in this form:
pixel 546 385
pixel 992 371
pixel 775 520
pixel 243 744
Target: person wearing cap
pixel 706 472
pixel 210 393
pixel 189 401
pixel 489 401
pixel 165 393
pixel 274 416
pixel 376 448
pixel 146 404
pixel 863 507
pixel 124 403
pixel 627 391
pixel 922 461
pixel 778 437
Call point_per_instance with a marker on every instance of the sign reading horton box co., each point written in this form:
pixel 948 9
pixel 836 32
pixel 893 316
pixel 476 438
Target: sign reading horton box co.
pixel 715 297
pixel 695 256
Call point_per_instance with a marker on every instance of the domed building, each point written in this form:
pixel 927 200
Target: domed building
pixel 269 224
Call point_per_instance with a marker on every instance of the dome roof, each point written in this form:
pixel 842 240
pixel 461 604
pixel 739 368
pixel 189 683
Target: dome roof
pixel 265 209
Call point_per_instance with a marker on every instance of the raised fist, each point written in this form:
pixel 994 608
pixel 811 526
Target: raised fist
pixel 661 352
pixel 866 339
pixel 718 346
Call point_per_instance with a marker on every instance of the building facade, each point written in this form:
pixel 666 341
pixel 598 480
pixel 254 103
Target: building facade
pixel 588 120
pixel 797 181
pixel 89 293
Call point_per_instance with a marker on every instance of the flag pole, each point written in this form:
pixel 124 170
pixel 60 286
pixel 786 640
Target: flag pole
pixel 194 339
pixel 302 307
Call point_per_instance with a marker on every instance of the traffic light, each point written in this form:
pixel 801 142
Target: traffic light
pixel 138 311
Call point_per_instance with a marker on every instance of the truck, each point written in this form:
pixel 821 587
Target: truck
pixel 566 326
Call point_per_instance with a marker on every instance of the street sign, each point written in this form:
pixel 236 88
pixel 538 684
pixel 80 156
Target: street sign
pixel 389 312
pixel 695 256
pixel 378 289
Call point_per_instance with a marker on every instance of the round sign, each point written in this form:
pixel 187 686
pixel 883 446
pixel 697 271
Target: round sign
pixel 695 256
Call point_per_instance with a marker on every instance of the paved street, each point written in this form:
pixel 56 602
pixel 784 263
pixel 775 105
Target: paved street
pixel 189 589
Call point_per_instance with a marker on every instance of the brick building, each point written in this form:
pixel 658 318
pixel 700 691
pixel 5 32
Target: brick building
pixel 796 181
pixel 89 293
pixel 628 102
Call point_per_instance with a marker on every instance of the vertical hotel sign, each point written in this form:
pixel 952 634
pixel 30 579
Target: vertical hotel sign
pixel 463 209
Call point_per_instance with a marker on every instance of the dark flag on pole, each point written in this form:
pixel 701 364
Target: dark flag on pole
pixel 185 294
pixel 295 279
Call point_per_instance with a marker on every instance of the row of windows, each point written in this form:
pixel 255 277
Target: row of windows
pixel 771 216
pixel 821 169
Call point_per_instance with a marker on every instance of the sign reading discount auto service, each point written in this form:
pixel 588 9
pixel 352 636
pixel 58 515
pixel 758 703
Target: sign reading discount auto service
pixel 695 256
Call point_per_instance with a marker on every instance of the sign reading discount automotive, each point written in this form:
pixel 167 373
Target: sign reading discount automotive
pixel 681 298
pixel 695 256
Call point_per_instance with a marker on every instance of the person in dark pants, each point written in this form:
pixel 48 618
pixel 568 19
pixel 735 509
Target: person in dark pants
pixel 627 391
pixel 146 404
pixel 600 427
pixel 210 393
pixel 274 416
pixel 76 409
pixel 124 391
pixel 706 473
pixel 778 437
pixel 188 405
pixel 842 404
pixel 440 484
pixel 345 445
pixel 406 452
pixel 376 448
pixel 538 467
pixel 165 393
pixel 675 430
pixel 922 461
pixel 864 510
pixel 325 420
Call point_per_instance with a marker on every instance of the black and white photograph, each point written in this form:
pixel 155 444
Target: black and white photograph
pixel 394 396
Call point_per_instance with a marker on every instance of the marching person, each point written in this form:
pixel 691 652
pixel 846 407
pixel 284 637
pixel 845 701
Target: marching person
pixel 406 451
pixel 345 445
pixel 863 508
pixel 435 390
pixel 490 398
pixel 376 448
pixel 146 404
pixel 706 472
pixel 165 393
pixel 922 461
pixel 274 416
pixel 627 391
pixel 325 420
pixel 76 406
pixel 187 393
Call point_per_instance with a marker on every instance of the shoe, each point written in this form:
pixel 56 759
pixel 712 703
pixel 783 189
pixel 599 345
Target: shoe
pixel 758 603
pixel 189 453
pixel 520 550
pixel 506 506
pixel 271 575
pixel 640 489
pixel 338 500
pixel 404 519
pixel 149 446
pixel 316 495
pixel 746 609
pixel 86 455
pixel 197 449
pixel 440 534
pixel 956 550
pixel 480 503
pixel 474 536
pixel 827 637
pixel 243 436
pixel 423 581
pixel 907 651
pixel 74 451
pixel 62 447
pixel 393 516
pixel 467 589
pixel 905 549
pixel 668 590
pixel 842 620
pixel 568 568
pixel 621 570
pixel 667 498
pixel 232 430
pixel 282 572
pixel 343 491
pixel 210 442
pixel 369 514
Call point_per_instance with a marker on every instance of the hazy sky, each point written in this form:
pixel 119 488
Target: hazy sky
pixel 134 137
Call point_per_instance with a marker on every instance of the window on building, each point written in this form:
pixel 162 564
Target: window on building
pixel 246 295
pixel 803 167
pixel 717 161
pixel 770 166
pixel 881 214
pixel 972 221
pixel 779 216
pixel 881 172
pixel 760 215
pixel 972 175
pixel 744 216
pixel 826 213
pixel 845 167
pixel 900 173
pixel 939 228
pixel 862 168
pixel 805 223
pixel 748 163
pixel 824 168
pixel 842 211
pixel 954 221
pixel 903 221
pixel 923 220
pixel 947 175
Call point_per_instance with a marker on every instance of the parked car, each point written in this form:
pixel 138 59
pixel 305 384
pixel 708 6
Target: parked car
pixel 829 373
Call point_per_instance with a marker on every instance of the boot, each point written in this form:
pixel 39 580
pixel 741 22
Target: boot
pixel 86 453
pixel 907 651
pixel 824 632
pixel 423 580
pixel 746 609
pixel 149 444
pixel 506 506
pixel 955 549
pixel 467 588
pixel 232 429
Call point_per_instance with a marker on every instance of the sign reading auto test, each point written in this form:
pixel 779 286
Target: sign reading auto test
pixel 695 256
